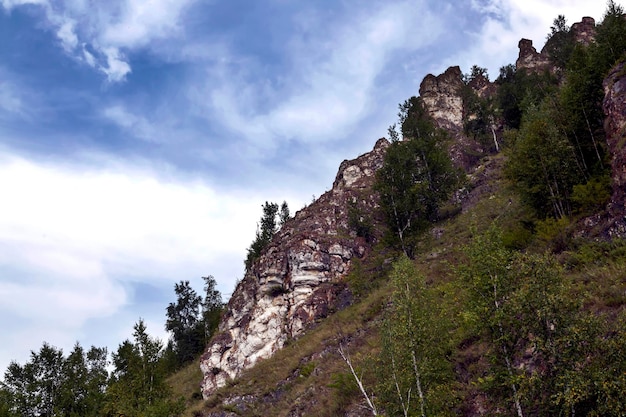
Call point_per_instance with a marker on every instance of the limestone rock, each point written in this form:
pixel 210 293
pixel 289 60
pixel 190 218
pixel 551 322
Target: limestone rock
pixel 584 31
pixel 531 60
pixel 298 278
pixel 443 98
pixel 614 106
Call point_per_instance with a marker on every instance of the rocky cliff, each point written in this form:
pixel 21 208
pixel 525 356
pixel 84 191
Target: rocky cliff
pixel 298 278
pixel 614 106
pixel 444 98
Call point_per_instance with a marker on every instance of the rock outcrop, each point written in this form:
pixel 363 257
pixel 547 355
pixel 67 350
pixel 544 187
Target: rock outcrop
pixel 531 60
pixel 443 97
pixel 298 279
pixel 614 106
pixel 584 31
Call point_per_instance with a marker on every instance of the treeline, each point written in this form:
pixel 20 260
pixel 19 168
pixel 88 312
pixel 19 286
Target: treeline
pixel 272 219
pixel 543 352
pixel 51 384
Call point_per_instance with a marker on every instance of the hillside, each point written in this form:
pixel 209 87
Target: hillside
pixel 471 264
pixel 513 300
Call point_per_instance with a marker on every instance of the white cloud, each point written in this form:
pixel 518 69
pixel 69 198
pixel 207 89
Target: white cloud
pixel 67 35
pixel 9 4
pixel 109 28
pixel 72 240
pixel 141 21
pixel 116 67
pixel 494 44
pixel 333 71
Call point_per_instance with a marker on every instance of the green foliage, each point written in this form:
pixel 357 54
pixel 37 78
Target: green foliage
pixel 344 390
pixel 518 90
pixel 523 304
pixel 414 345
pixel 474 73
pixel 137 386
pixel 542 164
pixel 479 118
pixel 359 222
pixel 51 385
pixel 307 369
pixel 560 42
pixel 192 321
pixel 284 214
pixel 610 38
pixel 212 308
pixel 593 196
pixel 183 322
pixel 266 229
pixel 417 176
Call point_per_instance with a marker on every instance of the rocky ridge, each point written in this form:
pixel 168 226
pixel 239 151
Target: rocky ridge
pixel 297 279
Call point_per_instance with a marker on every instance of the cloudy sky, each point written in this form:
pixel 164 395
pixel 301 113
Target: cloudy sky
pixel 139 138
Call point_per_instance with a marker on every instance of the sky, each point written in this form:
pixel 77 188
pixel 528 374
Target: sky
pixel 139 138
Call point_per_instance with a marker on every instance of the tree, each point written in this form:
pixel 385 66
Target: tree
pixel 212 307
pixel 559 42
pixel 6 402
pixel 183 322
pixel 490 284
pixel 137 387
pixel 417 175
pixel 284 214
pixel 542 163
pixel 610 37
pixel 474 73
pixel 414 346
pixel 35 387
pixel 264 233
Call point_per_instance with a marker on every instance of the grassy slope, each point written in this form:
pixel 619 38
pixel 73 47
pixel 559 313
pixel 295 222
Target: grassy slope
pixel 308 377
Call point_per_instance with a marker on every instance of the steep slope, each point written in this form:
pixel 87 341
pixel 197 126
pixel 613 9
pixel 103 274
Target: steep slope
pixel 297 280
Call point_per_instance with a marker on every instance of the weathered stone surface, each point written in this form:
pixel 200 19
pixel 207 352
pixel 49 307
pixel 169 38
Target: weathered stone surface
pixel 531 60
pixel 297 279
pixel 443 98
pixel 584 31
pixel 614 107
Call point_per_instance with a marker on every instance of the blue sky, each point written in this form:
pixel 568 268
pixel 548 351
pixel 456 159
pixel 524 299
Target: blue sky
pixel 139 138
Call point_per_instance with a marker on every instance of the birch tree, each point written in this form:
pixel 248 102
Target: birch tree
pixel 491 285
pixel 416 177
pixel 414 344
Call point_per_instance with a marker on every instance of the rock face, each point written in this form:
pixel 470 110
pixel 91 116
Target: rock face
pixel 298 278
pixel 531 60
pixel 443 98
pixel 614 106
pixel 584 31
